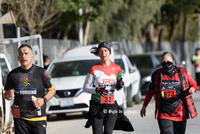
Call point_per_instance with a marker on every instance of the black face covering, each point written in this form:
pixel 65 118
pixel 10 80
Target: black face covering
pixel 167 66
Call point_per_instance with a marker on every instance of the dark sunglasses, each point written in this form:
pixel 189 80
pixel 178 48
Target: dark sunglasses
pixel 166 63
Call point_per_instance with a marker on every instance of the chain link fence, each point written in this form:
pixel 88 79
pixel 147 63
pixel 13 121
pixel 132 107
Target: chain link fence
pixel 55 49
pixel 9 47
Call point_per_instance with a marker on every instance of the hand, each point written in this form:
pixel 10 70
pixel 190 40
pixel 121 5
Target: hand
pixel 9 94
pixel 143 111
pixel 101 90
pixel 120 84
pixel 191 90
pixel 38 103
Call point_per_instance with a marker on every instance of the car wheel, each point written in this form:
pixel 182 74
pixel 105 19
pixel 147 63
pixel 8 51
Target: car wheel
pixel 129 97
pixel 10 131
pixel 138 97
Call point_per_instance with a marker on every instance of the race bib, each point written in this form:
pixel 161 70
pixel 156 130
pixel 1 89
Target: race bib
pixel 168 93
pixel 107 99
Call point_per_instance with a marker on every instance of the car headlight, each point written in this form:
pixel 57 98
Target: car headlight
pixel 78 92
pixel 146 79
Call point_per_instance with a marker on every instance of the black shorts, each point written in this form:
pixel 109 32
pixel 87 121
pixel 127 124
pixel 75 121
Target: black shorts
pixel 22 126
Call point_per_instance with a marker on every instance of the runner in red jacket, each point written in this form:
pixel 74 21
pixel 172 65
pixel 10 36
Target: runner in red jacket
pixel 172 87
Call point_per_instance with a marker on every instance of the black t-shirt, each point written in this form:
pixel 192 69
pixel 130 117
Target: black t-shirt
pixel 27 83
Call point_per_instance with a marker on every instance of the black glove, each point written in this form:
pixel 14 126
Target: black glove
pixel 101 90
pixel 120 84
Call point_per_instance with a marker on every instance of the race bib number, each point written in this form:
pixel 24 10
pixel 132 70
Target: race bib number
pixel 107 99
pixel 168 93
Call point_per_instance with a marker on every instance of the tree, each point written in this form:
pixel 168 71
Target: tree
pixel 126 20
pixel 177 11
pixel 34 16
pixel 1 28
pixel 68 22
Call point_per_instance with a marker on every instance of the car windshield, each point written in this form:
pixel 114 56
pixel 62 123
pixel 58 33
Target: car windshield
pixel 142 61
pixel 120 63
pixel 71 68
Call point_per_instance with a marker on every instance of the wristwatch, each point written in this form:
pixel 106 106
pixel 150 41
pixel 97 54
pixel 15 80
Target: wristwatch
pixel 45 99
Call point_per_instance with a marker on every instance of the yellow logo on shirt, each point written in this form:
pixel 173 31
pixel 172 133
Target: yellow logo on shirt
pixel 26 82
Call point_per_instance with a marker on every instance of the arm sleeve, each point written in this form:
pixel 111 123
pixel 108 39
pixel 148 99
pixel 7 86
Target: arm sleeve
pixel 87 87
pixel 150 92
pixel 48 83
pixel 148 97
pixel 191 82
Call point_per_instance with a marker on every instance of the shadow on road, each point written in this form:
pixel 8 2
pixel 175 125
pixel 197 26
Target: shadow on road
pixel 71 116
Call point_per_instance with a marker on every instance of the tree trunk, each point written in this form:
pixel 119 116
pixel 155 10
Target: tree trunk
pixel 87 28
pixel 65 37
pixel 175 27
pixel 85 40
pixel 185 28
pixel 140 37
pixel 154 35
pixel 184 37
pixel 1 26
pixel 159 40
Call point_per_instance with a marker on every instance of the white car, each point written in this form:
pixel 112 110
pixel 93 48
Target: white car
pixel 68 75
pixel 6 121
pixel 131 78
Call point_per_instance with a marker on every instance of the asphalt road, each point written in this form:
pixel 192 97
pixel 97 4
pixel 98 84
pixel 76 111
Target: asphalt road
pixel 74 123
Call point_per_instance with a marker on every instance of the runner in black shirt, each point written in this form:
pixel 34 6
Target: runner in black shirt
pixel 26 81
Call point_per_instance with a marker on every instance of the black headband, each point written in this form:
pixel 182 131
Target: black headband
pixel 106 45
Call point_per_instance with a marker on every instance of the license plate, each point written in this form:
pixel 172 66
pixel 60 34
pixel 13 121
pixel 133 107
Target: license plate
pixel 66 103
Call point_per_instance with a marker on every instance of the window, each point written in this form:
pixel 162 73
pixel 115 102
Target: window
pixel 71 68
pixel 120 63
pixel 142 61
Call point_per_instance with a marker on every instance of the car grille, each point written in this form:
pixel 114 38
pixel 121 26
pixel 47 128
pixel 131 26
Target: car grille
pixel 66 93
pixel 145 86
pixel 71 107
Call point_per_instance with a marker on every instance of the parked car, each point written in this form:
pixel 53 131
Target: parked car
pixel 147 64
pixel 5 105
pixel 68 75
pixel 158 55
pixel 131 78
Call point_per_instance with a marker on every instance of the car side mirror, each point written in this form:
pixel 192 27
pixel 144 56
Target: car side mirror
pixel 123 71
pixel 158 66
pixel 183 62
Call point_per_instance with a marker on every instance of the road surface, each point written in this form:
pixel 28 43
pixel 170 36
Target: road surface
pixel 74 123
